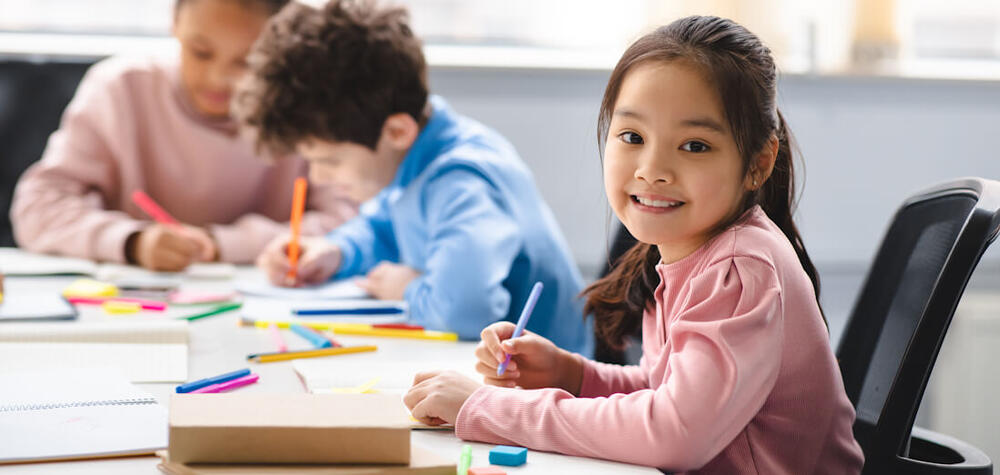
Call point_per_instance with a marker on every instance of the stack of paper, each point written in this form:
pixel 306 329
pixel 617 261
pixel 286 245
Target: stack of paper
pixel 146 351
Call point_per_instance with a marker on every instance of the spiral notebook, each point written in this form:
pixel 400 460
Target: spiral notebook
pixel 89 413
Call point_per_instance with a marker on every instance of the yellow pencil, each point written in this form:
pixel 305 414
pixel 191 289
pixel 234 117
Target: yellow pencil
pixel 291 355
pixel 362 329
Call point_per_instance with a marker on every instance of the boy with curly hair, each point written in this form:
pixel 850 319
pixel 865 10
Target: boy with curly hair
pixel 451 222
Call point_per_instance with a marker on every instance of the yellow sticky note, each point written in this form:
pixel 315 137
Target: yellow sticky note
pixel 118 307
pixel 90 288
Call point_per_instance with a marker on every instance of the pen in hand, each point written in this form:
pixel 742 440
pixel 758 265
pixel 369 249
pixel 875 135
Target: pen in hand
pixel 522 321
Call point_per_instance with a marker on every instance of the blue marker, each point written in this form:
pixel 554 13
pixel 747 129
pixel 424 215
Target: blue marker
pixel 316 339
pixel 522 321
pixel 188 387
pixel 307 312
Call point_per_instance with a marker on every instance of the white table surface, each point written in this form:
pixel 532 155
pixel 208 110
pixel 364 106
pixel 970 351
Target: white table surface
pixel 218 344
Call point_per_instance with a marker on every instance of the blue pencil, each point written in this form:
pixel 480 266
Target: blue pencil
pixel 188 387
pixel 522 321
pixel 317 340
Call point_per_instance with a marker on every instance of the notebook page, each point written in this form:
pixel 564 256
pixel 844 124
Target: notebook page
pixel 320 375
pixel 139 362
pixel 147 331
pixel 145 351
pixel 338 289
pixel 74 414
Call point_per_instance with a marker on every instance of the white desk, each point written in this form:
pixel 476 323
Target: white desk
pixel 218 344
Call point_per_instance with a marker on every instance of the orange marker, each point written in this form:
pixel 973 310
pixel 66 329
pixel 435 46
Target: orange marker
pixel 298 206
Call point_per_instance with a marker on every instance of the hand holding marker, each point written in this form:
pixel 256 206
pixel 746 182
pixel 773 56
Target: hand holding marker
pixel 522 321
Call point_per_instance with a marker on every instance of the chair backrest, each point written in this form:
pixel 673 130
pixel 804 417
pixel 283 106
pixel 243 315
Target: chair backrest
pixel 894 333
pixel 33 95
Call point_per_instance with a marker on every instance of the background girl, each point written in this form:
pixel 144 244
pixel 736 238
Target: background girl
pixel 737 374
pixel 162 125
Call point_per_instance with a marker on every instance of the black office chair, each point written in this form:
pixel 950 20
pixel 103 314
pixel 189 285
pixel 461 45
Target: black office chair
pixel 33 95
pixel 900 318
pixel 622 242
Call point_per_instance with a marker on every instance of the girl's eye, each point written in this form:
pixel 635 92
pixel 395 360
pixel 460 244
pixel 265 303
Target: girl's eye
pixel 695 146
pixel 202 55
pixel 631 138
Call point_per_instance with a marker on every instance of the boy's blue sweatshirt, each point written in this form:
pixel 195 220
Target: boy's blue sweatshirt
pixel 463 210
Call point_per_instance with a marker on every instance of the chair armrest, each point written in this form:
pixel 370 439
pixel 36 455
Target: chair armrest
pixel 933 453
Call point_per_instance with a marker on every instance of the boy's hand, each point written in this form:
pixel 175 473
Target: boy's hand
pixel 318 261
pixel 165 248
pixel 437 396
pixel 535 362
pixel 388 281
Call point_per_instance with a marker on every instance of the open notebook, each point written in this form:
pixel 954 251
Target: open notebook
pixel 55 415
pixel 17 262
pixel 144 351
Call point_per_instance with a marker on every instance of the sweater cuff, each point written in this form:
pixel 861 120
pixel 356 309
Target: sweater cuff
pixel 233 246
pixel 591 385
pixel 110 244
pixel 465 422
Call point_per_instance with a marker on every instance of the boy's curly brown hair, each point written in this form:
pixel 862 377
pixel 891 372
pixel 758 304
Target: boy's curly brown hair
pixel 334 74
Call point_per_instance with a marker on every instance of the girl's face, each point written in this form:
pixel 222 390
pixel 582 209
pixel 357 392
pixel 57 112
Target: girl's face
pixel 215 37
pixel 672 171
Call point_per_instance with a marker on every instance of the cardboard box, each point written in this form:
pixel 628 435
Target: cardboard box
pixel 289 428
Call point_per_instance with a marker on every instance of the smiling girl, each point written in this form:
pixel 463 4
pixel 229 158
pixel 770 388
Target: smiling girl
pixel 162 125
pixel 737 374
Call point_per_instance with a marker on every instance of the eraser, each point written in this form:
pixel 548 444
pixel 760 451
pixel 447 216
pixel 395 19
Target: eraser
pixel 509 456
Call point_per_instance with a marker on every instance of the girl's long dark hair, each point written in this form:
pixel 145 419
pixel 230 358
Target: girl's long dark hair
pixel 742 70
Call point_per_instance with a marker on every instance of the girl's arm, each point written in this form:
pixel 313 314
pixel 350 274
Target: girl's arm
pixel 721 360
pixel 473 242
pixel 59 203
pixel 602 379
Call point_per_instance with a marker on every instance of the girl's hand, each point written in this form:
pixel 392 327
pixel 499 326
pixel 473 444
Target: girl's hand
pixel 535 362
pixel 166 248
pixel 437 396
pixel 388 281
pixel 318 261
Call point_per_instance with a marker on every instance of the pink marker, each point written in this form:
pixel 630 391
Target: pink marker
pixel 145 304
pixel 141 199
pixel 231 384
pixel 278 340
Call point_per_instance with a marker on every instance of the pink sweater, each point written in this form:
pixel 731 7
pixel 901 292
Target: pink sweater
pixel 737 376
pixel 130 126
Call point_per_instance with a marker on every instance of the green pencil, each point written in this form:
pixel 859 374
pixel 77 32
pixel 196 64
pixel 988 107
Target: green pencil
pixel 215 311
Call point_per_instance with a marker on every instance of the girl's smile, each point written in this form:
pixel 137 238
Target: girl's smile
pixel 651 203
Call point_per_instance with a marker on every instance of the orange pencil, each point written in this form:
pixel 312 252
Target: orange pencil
pixel 298 206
